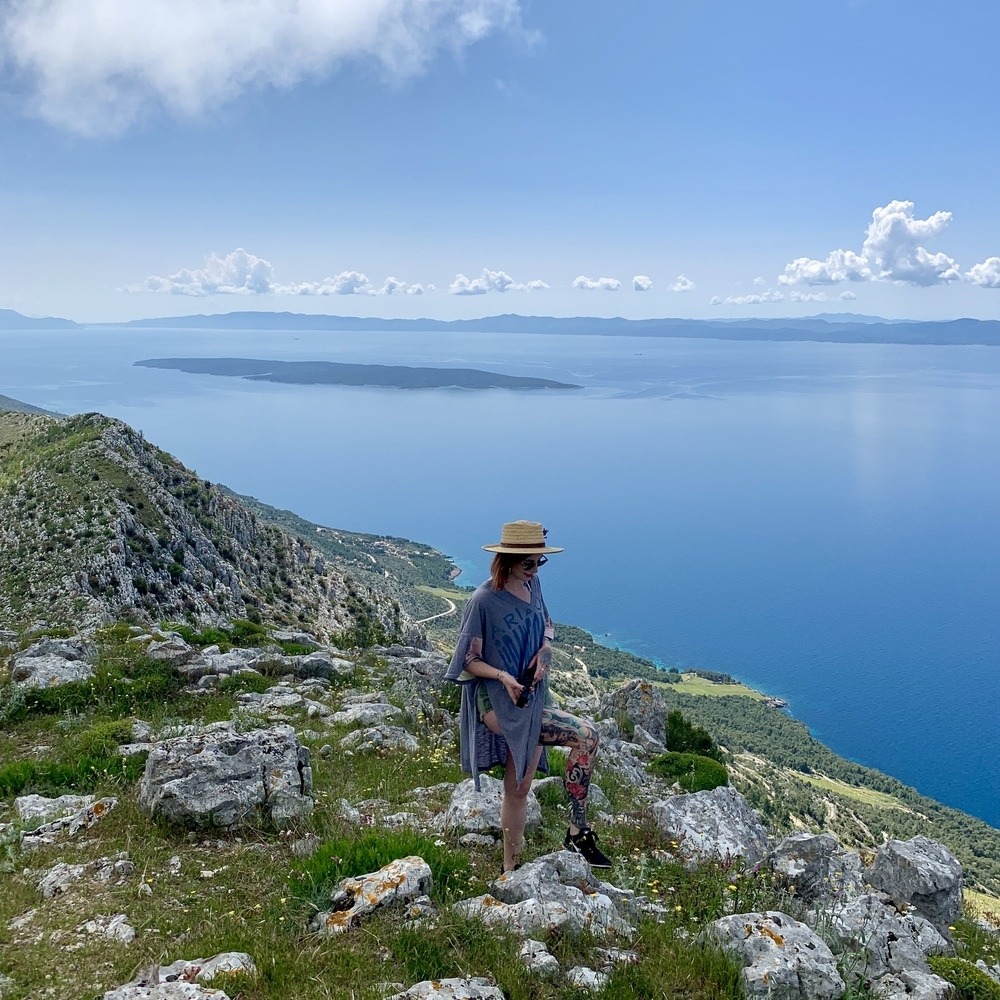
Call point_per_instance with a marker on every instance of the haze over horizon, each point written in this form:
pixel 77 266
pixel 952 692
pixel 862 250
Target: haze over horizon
pixel 405 158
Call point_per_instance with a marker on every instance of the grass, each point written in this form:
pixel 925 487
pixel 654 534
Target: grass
pixel 867 795
pixel 692 684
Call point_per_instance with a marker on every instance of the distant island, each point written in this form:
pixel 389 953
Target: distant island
pixel 337 373
pixel 829 328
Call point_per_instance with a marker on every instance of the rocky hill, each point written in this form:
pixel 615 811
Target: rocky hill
pixel 96 524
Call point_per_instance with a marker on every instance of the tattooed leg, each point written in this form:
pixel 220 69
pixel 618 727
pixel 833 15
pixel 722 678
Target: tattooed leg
pixel 562 729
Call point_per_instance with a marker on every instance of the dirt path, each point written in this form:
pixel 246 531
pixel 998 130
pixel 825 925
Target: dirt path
pixel 452 608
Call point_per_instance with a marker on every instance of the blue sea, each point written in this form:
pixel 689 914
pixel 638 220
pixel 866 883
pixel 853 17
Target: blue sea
pixel 819 520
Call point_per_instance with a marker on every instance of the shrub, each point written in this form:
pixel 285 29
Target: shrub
pixel 971 983
pixel 686 737
pixel 693 772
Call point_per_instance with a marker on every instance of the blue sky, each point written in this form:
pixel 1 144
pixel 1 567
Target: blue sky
pixel 705 159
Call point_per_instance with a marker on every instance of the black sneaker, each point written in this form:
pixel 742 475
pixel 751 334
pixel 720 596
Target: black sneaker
pixel 585 844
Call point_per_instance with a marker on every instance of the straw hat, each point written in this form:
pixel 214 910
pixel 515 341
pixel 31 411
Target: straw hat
pixel 522 538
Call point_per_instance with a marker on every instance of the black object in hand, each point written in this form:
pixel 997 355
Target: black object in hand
pixel 527 680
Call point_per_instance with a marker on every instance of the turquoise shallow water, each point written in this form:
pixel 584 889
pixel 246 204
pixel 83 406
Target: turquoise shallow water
pixel 817 519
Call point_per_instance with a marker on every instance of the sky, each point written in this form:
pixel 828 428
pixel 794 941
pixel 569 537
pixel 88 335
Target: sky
pixel 464 158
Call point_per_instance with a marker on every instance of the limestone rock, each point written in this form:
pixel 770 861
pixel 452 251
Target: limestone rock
pixel 61 876
pixel 641 703
pixel 115 928
pixel 68 826
pixel 913 986
pixel 475 988
pixel 817 867
pixel 52 662
pixel 183 979
pixel 29 807
pixel 890 943
pixel 390 739
pixel 920 873
pixel 587 979
pixel 223 778
pixel 479 812
pixel 717 823
pixel 782 959
pixel 538 958
pixel 400 880
pixel 366 714
pixel 555 892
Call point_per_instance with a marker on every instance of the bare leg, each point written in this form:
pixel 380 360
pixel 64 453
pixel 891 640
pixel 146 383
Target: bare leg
pixel 562 729
pixel 514 809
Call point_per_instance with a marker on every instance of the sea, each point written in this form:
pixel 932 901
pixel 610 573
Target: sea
pixel 818 520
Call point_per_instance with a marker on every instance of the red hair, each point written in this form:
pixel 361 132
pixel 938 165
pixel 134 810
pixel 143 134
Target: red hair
pixel 503 563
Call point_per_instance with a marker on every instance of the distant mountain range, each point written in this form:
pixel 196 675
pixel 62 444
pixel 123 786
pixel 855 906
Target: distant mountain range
pixel 844 328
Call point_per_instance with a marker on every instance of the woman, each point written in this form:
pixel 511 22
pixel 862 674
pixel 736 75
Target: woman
pixel 502 659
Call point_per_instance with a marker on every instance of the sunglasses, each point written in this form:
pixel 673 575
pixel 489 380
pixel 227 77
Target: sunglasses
pixel 530 564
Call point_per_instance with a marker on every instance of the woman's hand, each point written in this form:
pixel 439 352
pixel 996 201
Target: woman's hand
pixel 541 661
pixel 510 682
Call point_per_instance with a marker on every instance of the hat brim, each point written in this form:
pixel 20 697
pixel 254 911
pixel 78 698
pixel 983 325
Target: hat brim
pixel 520 550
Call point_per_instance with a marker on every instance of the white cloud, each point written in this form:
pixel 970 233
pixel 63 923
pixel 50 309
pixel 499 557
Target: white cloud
pixel 748 300
pixel 683 284
pixel 840 265
pixel 847 296
pixel 95 66
pixel 492 281
pixel 243 273
pixel 759 281
pixel 642 283
pixel 892 251
pixel 986 274
pixel 238 273
pixel 597 284
pixel 797 296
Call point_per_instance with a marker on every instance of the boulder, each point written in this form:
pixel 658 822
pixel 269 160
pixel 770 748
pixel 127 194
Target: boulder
pixel 584 978
pixel 913 986
pixel 68 825
pixel 920 873
pixel 223 778
pixel 642 704
pixel 537 958
pixel 366 714
pixel 321 664
pixel 114 928
pixel 386 739
pixel 817 868
pixel 475 988
pixel 717 823
pixel 29 807
pixel 479 812
pixel 555 892
pixel 183 980
pixel 52 662
pixel 889 943
pixel 399 881
pixel 782 959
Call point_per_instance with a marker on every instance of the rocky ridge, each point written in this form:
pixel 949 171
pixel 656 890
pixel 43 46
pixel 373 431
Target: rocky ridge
pixel 97 524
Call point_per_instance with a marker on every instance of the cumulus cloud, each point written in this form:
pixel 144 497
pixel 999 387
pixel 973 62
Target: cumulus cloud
pixel 986 274
pixel 243 273
pixel 683 284
pixel 759 282
pixel 238 273
pixel 642 283
pixel 847 296
pixel 892 251
pixel 94 67
pixel 492 281
pixel 771 295
pixel 797 296
pixel 597 284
